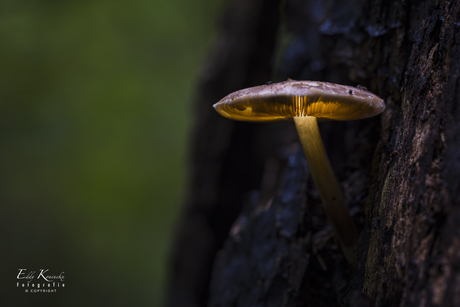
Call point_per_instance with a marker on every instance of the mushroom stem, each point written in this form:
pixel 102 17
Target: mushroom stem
pixel 327 185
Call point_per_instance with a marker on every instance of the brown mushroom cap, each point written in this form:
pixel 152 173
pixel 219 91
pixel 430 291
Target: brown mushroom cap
pixel 288 99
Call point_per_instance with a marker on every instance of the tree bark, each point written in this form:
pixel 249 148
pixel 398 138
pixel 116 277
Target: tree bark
pixel 251 195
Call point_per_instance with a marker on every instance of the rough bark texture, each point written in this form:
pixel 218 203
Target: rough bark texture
pixel 400 173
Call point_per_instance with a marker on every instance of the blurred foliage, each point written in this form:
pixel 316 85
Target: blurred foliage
pixel 94 120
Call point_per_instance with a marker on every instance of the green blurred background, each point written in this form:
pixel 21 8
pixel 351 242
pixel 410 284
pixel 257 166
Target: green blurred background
pixel 95 115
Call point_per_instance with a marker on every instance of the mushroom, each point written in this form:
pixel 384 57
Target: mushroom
pixel 304 102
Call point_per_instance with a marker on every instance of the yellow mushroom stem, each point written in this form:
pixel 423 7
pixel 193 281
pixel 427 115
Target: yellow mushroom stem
pixel 327 185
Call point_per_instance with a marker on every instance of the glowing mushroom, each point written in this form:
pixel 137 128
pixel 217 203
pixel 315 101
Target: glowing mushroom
pixel 304 102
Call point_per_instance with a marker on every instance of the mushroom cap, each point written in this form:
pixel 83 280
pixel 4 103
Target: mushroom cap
pixel 284 100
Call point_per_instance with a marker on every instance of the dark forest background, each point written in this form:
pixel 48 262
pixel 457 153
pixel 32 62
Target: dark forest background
pixel 95 117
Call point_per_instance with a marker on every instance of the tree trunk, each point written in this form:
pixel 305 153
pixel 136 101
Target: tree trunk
pixel 251 194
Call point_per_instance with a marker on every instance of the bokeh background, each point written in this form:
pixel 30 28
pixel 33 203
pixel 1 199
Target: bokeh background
pixel 95 115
